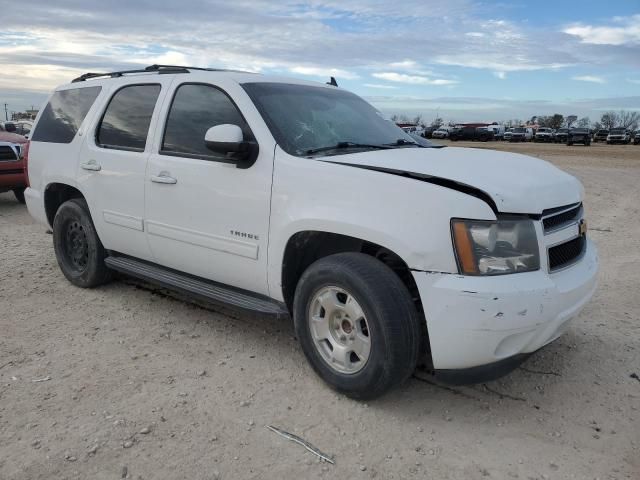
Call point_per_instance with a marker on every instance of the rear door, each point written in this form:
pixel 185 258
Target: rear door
pixel 113 162
pixel 204 215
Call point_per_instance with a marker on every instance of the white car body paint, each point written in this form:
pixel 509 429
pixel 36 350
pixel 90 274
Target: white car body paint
pixel 232 225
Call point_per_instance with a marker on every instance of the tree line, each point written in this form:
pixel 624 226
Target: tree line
pixel 611 119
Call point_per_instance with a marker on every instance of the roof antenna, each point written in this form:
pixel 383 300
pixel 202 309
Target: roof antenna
pixel 332 82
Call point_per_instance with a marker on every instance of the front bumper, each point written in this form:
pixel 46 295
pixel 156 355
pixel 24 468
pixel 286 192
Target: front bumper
pixel 479 321
pixel 12 175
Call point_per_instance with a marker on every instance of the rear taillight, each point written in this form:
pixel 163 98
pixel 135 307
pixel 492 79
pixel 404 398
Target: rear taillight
pixel 25 156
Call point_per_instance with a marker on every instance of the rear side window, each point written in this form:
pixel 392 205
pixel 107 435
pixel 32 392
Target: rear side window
pixel 195 109
pixel 125 123
pixel 63 115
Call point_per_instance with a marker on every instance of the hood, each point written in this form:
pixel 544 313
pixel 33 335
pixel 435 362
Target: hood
pixel 12 137
pixel 515 183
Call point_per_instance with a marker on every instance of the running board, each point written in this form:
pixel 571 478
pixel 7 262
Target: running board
pixel 196 287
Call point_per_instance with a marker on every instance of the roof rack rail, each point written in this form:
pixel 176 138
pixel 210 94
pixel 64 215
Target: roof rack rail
pixel 150 69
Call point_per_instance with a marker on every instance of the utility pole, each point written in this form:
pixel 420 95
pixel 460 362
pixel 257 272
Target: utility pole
pixel 6 113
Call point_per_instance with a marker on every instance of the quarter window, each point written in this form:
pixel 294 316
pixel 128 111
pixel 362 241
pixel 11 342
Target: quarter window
pixel 125 124
pixel 63 115
pixel 195 109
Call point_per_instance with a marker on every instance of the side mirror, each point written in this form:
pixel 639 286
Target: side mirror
pixel 227 139
pixel 224 138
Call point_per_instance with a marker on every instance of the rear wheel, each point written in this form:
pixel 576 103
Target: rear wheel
pixel 79 252
pixel 19 193
pixel 357 324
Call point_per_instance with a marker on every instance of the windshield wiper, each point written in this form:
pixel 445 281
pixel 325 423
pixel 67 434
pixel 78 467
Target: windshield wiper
pixel 401 142
pixel 346 145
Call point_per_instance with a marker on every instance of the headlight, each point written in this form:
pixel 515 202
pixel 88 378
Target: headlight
pixel 495 247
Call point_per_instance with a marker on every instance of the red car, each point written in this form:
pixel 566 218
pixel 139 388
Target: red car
pixel 12 167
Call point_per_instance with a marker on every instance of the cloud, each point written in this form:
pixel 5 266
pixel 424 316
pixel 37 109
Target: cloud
pixel 625 31
pixel 471 109
pixel 499 63
pixel 377 85
pixel 404 65
pixel 412 79
pixel 429 44
pixel 589 78
pixel 324 72
pixel 635 81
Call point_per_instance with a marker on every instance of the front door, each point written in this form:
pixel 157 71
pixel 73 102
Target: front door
pixel 113 165
pixel 204 215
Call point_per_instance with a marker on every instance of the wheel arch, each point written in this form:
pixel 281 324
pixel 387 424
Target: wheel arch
pixel 305 247
pixel 55 194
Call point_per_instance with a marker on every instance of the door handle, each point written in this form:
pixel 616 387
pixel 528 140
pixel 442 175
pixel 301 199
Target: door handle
pixel 164 177
pixel 91 165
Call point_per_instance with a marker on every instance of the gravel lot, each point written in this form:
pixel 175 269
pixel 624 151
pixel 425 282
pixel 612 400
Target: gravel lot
pixel 124 381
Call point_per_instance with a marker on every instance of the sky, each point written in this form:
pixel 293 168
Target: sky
pixel 462 60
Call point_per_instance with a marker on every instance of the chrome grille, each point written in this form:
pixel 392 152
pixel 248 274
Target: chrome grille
pixel 557 218
pixel 8 153
pixel 566 253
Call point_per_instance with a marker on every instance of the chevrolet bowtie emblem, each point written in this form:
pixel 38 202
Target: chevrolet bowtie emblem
pixel 582 227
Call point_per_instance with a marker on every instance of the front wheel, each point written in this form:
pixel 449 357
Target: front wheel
pixel 79 251
pixel 357 324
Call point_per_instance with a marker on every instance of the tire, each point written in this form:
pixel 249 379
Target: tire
pixel 79 251
pixel 392 326
pixel 19 194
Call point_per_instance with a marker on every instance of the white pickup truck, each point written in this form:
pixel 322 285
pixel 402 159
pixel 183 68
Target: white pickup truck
pixel 295 198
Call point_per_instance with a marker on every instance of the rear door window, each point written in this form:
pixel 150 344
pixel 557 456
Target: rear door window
pixel 63 115
pixel 125 123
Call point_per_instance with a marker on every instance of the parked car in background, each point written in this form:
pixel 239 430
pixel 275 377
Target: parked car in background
pixel 521 134
pixel 480 134
pixel 428 131
pixel 498 131
pixel 440 133
pixel 579 135
pixel 473 259
pixel 544 134
pixel 619 135
pixel 601 135
pixel 12 167
pixel 420 140
pixel 23 128
pixel 8 127
pixel 561 135
pixel 507 134
pixel 636 137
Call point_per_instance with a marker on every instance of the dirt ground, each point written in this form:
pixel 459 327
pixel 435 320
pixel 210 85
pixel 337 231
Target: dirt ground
pixel 124 382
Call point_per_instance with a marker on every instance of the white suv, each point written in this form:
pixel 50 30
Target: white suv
pixel 543 134
pixel 289 197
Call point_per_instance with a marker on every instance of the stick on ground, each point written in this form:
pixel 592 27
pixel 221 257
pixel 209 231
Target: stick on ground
pixel 301 441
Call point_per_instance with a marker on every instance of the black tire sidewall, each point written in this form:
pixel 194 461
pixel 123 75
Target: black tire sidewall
pixel 388 363
pixel 95 272
pixel 19 194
